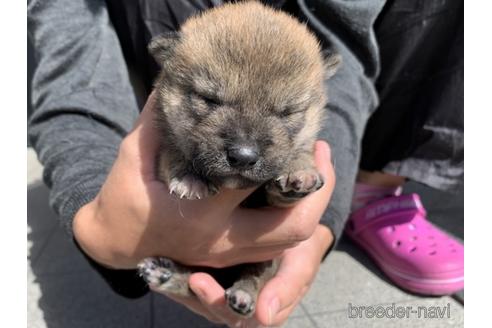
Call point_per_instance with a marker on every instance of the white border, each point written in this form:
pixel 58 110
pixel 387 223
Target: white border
pixel 478 145
pixel 13 284
pixel 478 108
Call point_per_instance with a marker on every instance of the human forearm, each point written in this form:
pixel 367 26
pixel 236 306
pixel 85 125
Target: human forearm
pixel 76 160
pixel 83 100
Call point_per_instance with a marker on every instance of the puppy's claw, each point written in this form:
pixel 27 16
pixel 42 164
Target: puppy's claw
pixel 191 187
pixel 304 181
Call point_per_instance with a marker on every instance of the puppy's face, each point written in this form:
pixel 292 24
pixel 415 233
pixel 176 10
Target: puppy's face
pixel 240 93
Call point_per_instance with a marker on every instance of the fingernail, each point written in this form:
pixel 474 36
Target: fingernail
pixel 273 308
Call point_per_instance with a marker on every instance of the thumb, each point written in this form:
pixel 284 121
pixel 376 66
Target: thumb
pixel 323 160
pixel 142 143
pixel 283 292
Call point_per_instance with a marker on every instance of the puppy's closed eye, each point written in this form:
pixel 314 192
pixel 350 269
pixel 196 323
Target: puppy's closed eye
pixel 209 100
pixel 292 110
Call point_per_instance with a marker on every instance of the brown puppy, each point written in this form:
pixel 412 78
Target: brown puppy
pixel 241 99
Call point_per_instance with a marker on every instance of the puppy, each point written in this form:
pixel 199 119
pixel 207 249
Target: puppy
pixel 240 103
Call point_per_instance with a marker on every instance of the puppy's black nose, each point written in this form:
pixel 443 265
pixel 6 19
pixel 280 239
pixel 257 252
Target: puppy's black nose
pixel 242 157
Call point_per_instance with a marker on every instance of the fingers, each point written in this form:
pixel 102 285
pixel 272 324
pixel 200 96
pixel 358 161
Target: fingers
pixel 278 299
pixel 227 200
pixel 244 255
pixel 207 289
pixel 297 270
pixel 275 226
pixel 285 290
pixel 217 208
pixel 211 295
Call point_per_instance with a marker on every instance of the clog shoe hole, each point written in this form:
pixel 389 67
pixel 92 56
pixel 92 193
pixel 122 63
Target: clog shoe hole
pixel 452 245
pixel 390 230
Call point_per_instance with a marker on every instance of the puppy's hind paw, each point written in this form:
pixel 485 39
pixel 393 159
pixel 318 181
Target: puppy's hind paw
pixel 156 271
pixel 240 301
pixel 165 276
pixel 191 187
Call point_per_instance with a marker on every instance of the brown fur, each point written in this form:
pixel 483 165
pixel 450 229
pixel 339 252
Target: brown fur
pixel 240 74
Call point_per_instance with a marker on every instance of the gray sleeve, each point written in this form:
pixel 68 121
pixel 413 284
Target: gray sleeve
pixel 83 101
pixel 347 28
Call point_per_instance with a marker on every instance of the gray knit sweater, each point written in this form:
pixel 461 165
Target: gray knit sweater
pixel 84 102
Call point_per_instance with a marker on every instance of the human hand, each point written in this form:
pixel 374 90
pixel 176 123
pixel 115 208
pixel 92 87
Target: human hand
pixel 134 216
pixel 278 298
pixel 298 268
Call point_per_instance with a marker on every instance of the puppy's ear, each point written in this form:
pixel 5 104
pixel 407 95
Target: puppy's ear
pixel 163 45
pixel 332 62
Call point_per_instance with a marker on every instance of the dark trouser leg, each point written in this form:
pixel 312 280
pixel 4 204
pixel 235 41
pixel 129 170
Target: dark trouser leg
pixel 417 131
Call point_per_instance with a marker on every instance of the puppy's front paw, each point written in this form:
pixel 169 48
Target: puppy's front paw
pixel 301 182
pixel 288 188
pixel 191 187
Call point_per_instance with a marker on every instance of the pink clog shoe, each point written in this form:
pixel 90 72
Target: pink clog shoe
pixel 413 253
